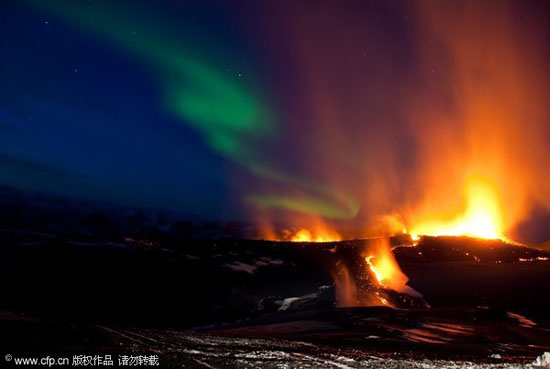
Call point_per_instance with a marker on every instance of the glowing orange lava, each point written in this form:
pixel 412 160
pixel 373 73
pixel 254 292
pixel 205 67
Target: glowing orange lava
pixel 383 266
pixel 482 215
pixel 306 228
pixel 374 269
pixel 322 235
pixel 386 271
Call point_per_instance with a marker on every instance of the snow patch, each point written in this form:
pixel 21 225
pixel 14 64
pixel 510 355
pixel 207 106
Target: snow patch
pixel 543 361
pixel 241 267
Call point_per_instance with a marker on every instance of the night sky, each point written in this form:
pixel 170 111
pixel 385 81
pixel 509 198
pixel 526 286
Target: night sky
pixel 238 109
pixel 86 111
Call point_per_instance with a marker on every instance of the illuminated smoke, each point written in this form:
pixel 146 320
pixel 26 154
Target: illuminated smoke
pixel 437 120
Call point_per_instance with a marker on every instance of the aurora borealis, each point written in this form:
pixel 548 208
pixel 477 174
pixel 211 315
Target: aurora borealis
pixel 230 118
pixel 241 109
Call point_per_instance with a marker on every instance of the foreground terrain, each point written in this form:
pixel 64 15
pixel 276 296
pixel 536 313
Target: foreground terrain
pixel 244 303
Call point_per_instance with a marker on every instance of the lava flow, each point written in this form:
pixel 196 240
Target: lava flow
pixel 370 276
pixel 383 266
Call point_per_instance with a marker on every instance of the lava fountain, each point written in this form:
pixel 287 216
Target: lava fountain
pixel 481 216
pixel 323 235
pixel 308 228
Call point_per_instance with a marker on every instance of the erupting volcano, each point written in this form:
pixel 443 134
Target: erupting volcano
pixel 287 183
pixel 460 149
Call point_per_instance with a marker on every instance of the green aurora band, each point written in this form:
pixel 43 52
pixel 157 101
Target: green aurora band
pixel 226 113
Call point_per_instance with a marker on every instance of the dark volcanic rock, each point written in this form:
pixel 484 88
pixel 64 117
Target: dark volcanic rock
pixel 402 300
pixel 196 283
pixel 446 249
